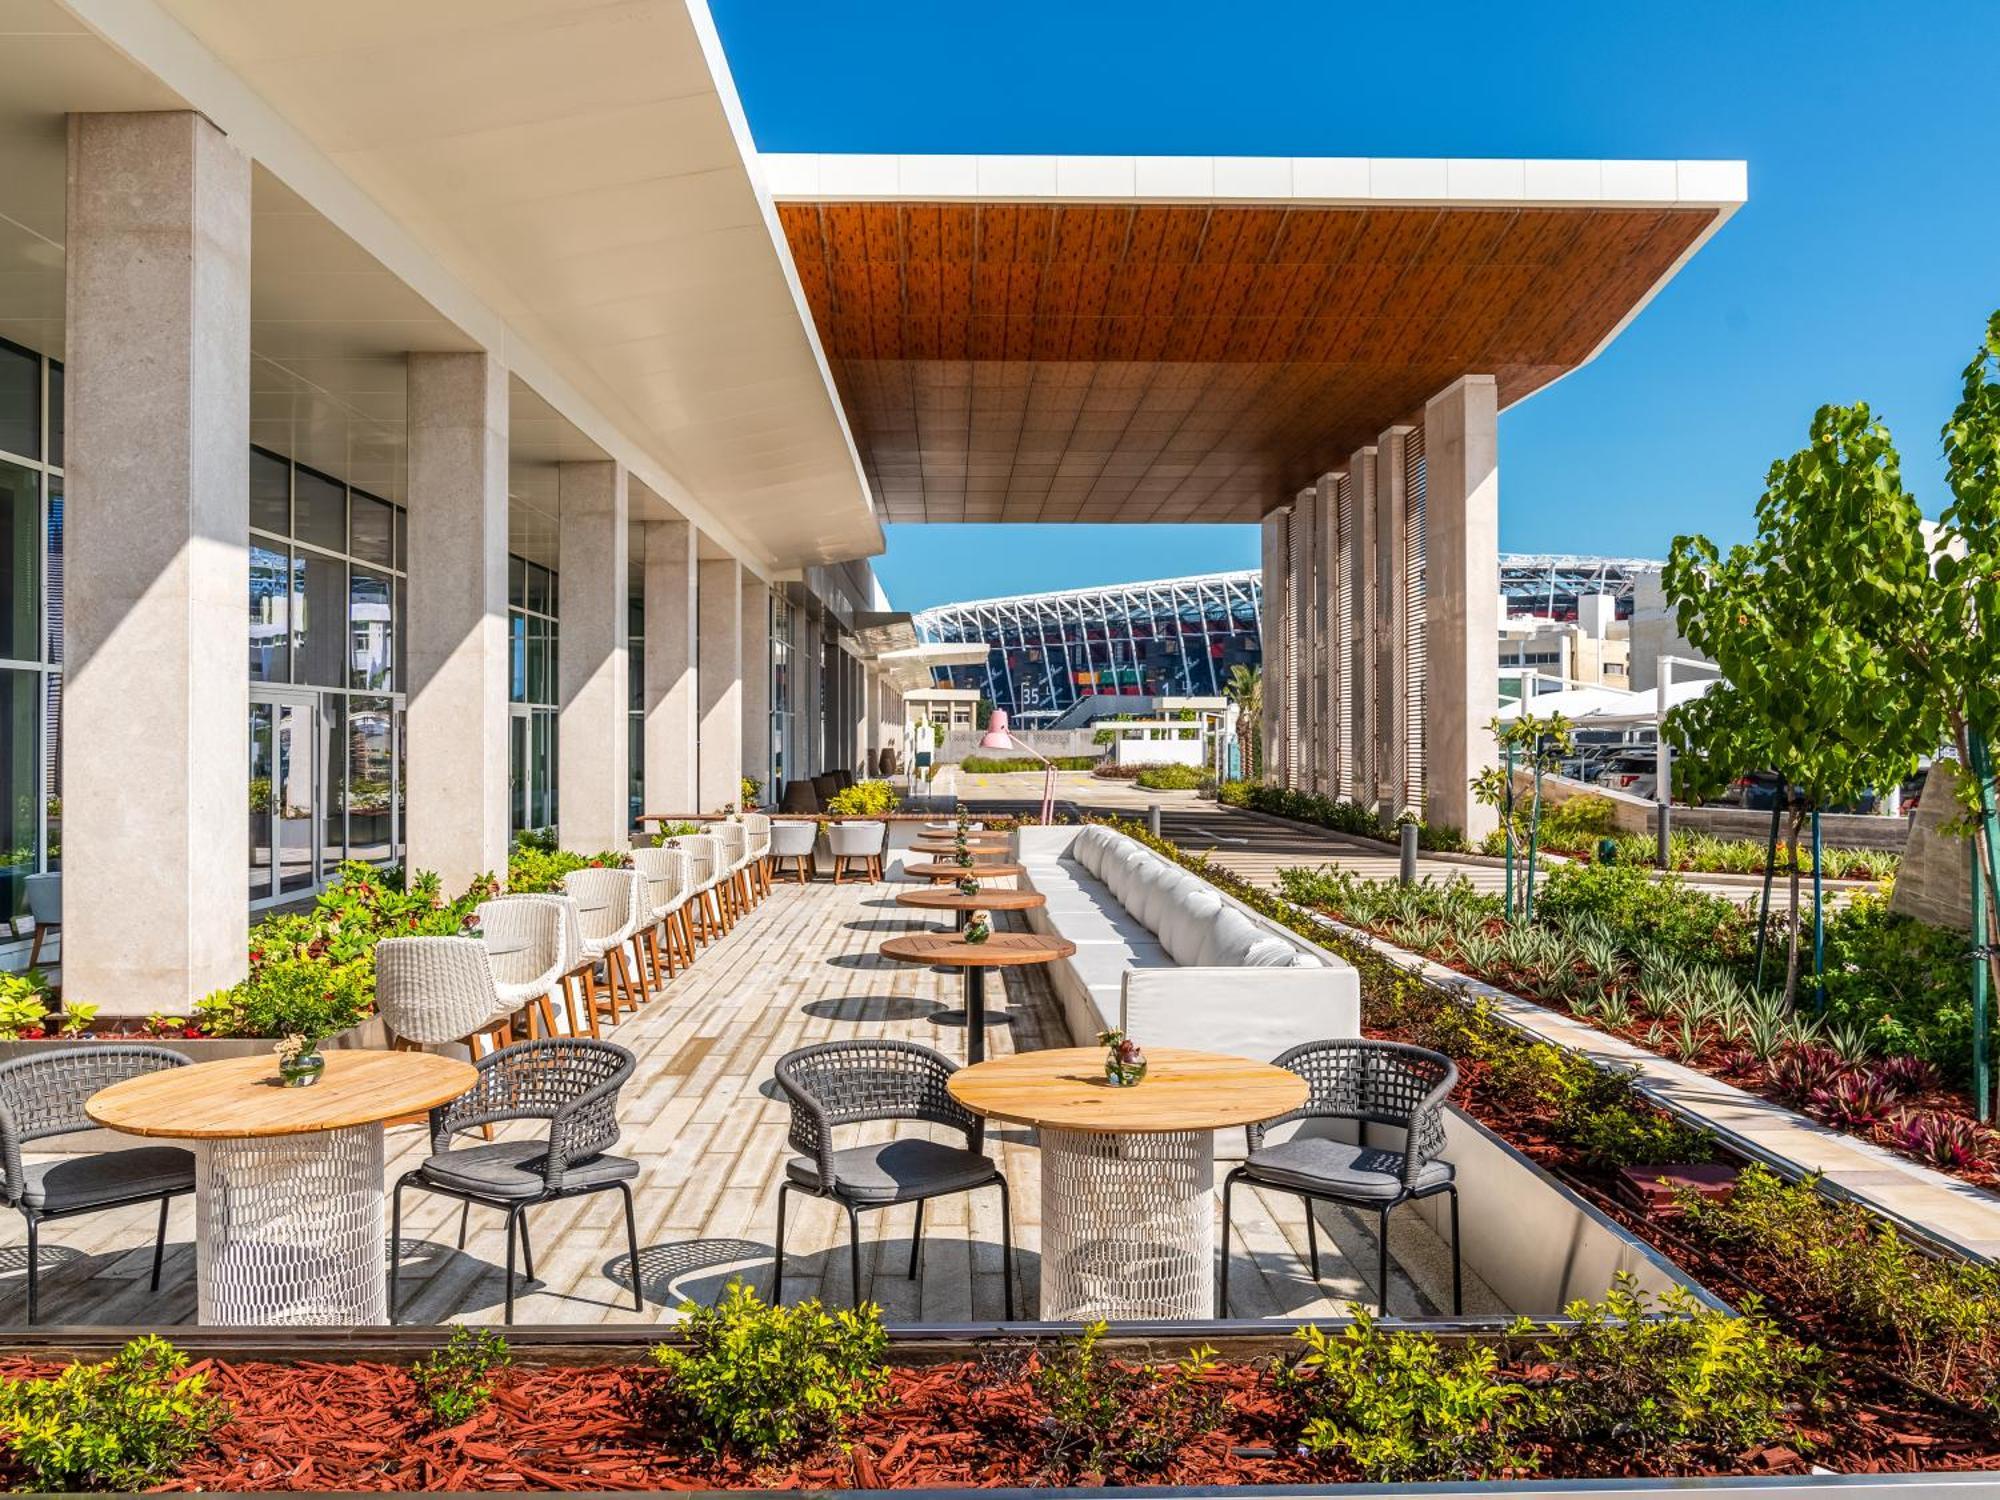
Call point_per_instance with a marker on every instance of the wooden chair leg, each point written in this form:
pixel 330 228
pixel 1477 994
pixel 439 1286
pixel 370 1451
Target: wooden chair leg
pixel 35 947
pixel 590 995
pixel 541 1019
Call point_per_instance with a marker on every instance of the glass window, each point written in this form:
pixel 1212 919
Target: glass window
pixel 517 658
pixel 20 401
pixel 21 562
pixel 541 660
pixel 55 570
pixel 541 590
pixel 402 541
pixel 270 615
pixel 270 493
pixel 372 529
pixel 369 630
pixel 398 672
pixel 319 510
pixel 319 626
pixel 20 784
pixel 333 837
pixel 55 414
pixel 517 583
pixel 370 769
pixel 542 767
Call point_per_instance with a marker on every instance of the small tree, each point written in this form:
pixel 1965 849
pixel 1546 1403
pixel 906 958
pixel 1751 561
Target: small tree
pixel 1245 688
pixel 1538 745
pixel 1794 620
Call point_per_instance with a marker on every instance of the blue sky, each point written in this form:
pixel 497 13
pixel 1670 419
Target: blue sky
pixel 1862 268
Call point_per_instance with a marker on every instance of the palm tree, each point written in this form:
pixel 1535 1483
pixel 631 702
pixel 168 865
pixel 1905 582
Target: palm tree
pixel 1245 688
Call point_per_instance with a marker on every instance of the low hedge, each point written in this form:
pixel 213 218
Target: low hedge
pixel 998 765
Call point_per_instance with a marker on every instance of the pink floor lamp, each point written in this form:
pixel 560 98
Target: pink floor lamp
pixel 997 737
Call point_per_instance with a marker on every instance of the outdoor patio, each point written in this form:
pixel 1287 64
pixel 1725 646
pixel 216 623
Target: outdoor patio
pixel 705 1120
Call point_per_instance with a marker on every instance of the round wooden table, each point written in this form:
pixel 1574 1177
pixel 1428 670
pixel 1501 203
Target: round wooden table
pixel 1004 950
pixel 950 898
pixel 981 851
pixel 289 1222
pixel 1128 1174
pixel 946 870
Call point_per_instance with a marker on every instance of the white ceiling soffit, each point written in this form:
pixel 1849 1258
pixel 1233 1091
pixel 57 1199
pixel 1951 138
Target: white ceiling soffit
pixel 574 184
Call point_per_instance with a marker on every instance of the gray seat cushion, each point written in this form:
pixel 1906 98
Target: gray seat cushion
pixel 73 1182
pixel 1363 1173
pixel 898 1171
pixel 513 1169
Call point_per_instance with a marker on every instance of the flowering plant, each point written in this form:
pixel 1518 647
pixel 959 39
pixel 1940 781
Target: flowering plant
pixel 1124 1059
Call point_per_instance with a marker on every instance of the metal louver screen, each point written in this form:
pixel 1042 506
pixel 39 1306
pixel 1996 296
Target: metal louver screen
pixel 1343 663
pixel 1414 649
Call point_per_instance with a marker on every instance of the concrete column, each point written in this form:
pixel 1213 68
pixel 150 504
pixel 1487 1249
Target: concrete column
pixel 757 683
pixel 593 770
pixel 1462 553
pixel 672 712
pixel 1275 634
pixel 456 822
pixel 1326 672
pixel 156 694
pixel 1364 587
pixel 1304 595
pixel 719 680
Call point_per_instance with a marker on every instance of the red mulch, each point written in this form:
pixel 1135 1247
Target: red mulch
pixel 357 1427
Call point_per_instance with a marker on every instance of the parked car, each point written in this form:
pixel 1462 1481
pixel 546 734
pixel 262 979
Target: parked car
pixel 1637 775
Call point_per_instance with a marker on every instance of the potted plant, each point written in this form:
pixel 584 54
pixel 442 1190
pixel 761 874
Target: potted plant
pixel 979 925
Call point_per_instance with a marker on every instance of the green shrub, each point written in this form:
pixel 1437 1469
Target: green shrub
pixel 290 997
pixel 126 1424
pixel 455 1382
pixel 1100 1410
pixel 1633 902
pixel 671 831
pixel 1327 812
pixel 24 1004
pixel 532 869
pixel 1001 765
pixel 1905 981
pixel 872 799
pixel 1401 1406
pixel 1171 778
pixel 762 1380
pixel 1675 1380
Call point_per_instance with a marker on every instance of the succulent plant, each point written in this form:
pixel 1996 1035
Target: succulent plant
pixel 1803 1068
pixel 1854 1100
pixel 1907 1075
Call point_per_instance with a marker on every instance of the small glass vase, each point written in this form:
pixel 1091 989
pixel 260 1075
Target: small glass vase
pixel 302 1068
pixel 1124 1075
pixel 977 932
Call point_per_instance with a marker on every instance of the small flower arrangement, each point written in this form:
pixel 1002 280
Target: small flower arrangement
pixel 979 925
pixel 1124 1059
pixel 967 886
pixel 299 1062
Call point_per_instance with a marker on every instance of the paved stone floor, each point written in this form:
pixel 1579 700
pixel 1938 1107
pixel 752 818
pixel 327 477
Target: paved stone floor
pixel 703 1118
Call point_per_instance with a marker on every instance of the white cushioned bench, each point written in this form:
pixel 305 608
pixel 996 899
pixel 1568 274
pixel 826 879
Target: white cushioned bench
pixel 1166 957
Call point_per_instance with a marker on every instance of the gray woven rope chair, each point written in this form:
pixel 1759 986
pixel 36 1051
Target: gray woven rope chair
pixel 573 1083
pixel 831 1084
pixel 1368 1083
pixel 42 1096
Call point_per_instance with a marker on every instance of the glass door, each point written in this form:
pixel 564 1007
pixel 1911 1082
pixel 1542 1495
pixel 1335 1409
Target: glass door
pixel 284 794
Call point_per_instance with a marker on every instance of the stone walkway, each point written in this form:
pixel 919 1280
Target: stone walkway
pixel 704 1119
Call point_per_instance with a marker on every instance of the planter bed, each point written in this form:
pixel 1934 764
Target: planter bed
pixel 593 1415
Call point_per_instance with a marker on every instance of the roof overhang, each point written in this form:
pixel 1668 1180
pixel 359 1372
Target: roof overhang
pixel 1198 338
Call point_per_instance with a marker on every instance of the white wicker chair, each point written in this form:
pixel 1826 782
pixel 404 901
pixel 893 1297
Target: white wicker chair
pixel 579 978
pixel 434 991
pixel 862 839
pixel 758 826
pixel 667 882
pixel 610 909
pixel 524 938
pixel 705 865
pixel 735 886
pixel 796 839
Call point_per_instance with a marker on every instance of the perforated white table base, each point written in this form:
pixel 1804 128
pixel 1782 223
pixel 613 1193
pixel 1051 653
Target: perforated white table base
pixel 289 1229
pixel 1128 1225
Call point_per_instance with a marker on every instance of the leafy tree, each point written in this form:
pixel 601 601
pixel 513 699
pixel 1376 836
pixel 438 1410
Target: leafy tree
pixel 1245 688
pixel 1537 745
pixel 1813 686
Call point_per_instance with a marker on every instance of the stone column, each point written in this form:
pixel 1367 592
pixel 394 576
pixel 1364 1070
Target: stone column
pixel 456 817
pixel 757 683
pixel 672 712
pixel 593 769
pixel 719 678
pixel 1363 589
pixel 1391 607
pixel 1274 633
pixel 1304 595
pixel 1462 551
pixel 1326 673
pixel 156 692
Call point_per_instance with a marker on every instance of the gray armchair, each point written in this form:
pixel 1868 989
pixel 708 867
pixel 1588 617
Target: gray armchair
pixel 1367 1083
pixel 42 1096
pixel 831 1084
pixel 572 1083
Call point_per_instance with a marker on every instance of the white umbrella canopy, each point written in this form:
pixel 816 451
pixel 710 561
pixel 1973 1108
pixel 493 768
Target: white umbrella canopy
pixel 1607 708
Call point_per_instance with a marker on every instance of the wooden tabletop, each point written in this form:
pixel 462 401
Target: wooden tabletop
pixel 944 869
pixel 1002 950
pixel 1064 1087
pixel 989 849
pixel 239 1097
pixel 949 898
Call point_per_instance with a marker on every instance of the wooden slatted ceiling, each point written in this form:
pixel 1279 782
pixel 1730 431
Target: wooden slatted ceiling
pixel 1156 362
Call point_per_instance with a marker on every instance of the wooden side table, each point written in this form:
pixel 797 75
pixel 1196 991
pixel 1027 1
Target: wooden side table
pixel 289 1222
pixel 1128 1174
pixel 1001 951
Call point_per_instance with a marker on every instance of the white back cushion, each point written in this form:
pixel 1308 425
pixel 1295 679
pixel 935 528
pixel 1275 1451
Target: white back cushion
pixel 1190 911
